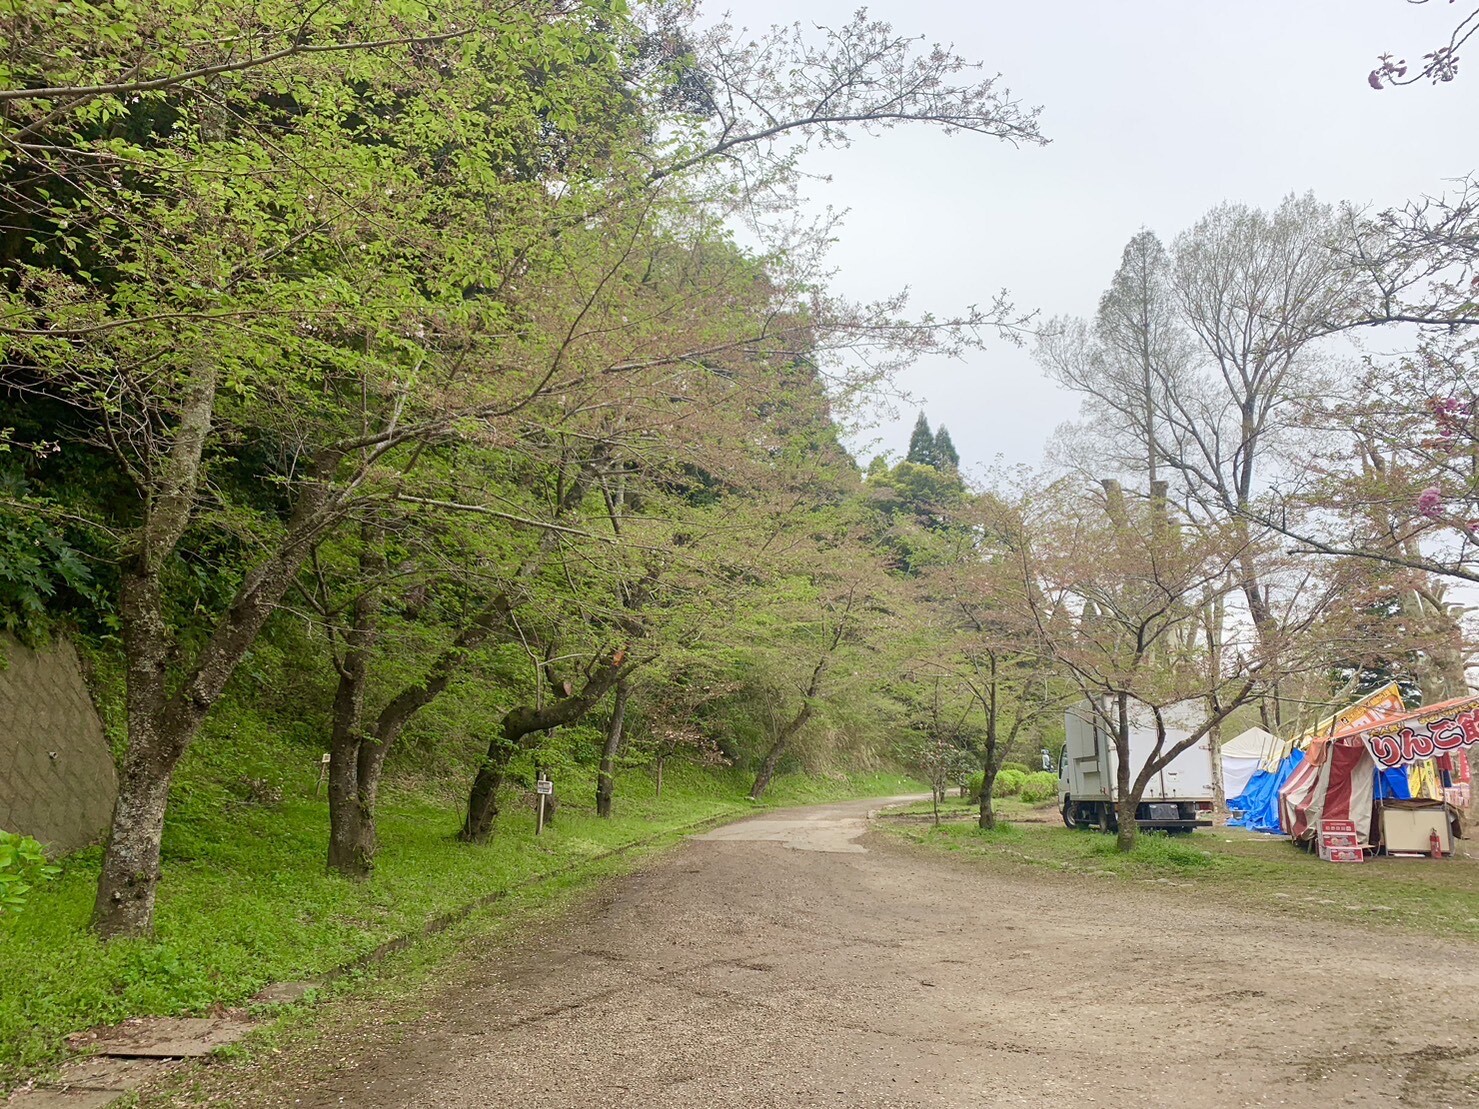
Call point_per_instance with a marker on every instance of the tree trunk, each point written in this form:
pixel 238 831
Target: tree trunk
pixel 351 846
pixel 605 776
pixel 482 803
pixel 1126 800
pixel 1219 787
pixel 353 839
pixel 349 854
pixel 1215 613
pixel 1129 830
pixel 161 724
pixel 796 723
pixel 351 796
pixel 986 820
pixel 128 883
pixel 130 873
pixel 778 750
pixel 767 769
pixel 517 725
pixel 129 877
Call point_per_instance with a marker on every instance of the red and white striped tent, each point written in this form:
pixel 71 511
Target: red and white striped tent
pixel 1336 781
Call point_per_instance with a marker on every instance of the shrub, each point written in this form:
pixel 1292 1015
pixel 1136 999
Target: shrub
pixel 1009 782
pixel 1020 767
pixel 1039 787
pixel 22 866
pixel 973 787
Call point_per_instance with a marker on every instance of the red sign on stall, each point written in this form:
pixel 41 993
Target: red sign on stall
pixel 1339 842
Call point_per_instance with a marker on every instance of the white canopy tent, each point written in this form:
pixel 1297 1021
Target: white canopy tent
pixel 1244 754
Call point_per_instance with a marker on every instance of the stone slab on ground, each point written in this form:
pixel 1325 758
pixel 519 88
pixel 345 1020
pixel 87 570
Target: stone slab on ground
pixel 62 1099
pixel 165 1037
pixel 105 1072
pixel 284 993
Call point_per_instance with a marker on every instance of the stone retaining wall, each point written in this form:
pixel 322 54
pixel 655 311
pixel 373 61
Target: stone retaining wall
pixel 57 780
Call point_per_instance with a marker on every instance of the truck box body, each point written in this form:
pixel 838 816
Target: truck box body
pixel 1178 797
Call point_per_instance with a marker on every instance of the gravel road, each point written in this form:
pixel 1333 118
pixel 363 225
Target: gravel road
pixel 796 959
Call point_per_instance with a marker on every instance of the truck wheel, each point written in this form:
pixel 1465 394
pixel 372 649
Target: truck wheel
pixel 1068 821
pixel 1103 813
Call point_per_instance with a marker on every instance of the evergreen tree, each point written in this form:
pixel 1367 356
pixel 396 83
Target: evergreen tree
pixel 946 456
pixel 921 443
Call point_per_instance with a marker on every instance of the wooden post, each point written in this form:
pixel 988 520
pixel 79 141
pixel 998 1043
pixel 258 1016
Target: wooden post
pixel 543 787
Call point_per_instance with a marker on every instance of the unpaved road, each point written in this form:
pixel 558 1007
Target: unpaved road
pixel 795 960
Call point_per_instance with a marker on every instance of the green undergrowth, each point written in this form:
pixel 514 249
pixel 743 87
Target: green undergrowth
pixel 1226 865
pixel 244 899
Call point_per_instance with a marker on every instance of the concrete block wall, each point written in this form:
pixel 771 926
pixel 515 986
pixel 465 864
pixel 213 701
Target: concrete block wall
pixel 57 780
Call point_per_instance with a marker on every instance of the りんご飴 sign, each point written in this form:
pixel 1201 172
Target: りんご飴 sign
pixel 1418 736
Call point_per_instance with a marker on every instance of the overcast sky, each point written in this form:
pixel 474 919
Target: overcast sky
pixel 1157 110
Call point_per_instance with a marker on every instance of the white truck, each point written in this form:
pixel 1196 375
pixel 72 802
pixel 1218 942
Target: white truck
pixel 1178 798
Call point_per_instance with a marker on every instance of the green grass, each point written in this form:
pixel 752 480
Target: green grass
pixel 958 808
pixel 245 900
pixel 1238 868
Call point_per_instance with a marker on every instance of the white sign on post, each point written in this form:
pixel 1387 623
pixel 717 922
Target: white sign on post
pixel 543 787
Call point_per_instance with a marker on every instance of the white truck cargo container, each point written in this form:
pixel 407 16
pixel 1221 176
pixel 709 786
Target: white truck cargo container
pixel 1178 798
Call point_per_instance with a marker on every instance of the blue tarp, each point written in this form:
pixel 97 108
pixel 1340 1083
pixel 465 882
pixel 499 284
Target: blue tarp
pixel 1392 783
pixel 1258 805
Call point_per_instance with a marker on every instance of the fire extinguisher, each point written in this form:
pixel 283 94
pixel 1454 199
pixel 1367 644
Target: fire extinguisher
pixel 1435 845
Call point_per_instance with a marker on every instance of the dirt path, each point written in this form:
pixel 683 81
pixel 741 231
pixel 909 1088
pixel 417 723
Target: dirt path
pixel 796 960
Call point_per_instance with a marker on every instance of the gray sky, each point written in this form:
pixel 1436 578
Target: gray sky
pixel 1158 109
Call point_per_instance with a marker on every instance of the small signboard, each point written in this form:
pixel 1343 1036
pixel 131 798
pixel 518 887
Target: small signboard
pixel 543 788
pixel 1339 842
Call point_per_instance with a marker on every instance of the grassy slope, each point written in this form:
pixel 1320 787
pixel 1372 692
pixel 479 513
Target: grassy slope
pixel 245 901
pixel 1229 865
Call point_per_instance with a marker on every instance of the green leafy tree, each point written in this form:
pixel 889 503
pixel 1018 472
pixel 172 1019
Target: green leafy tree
pixel 271 294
